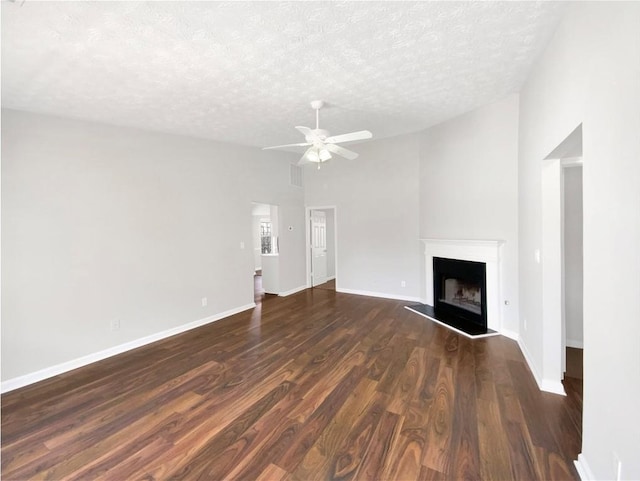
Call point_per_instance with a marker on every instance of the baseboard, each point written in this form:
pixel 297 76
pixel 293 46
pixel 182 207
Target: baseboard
pixel 554 387
pixel 41 375
pixel 378 294
pixel 292 291
pixel 575 343
pixel 513 335
pixel 546 385
pixel 527 357
pixel 583 469
pixel 330 278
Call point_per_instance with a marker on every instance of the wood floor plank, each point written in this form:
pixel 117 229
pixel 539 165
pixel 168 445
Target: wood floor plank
pixel 493 446
pixel 409 381
pixel 272 473
pixel 210 462
pixel 378 456
pixel 319 420
pixel 464 432
pixel 437 454
pixel 273 448
pixel 405 462
pixel 317 462
pixel 401 355
pixel 523 460
pixel 523 382
pixel 355 446
pixel 317 385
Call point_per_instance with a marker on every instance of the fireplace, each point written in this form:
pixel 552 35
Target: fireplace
pixel 468 281
pixel 460 294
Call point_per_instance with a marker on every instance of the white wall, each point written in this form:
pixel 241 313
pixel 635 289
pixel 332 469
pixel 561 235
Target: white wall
pixel 468 186
pixel 257 242
pixel 275 226
pixel 101 222
pixel 331 245
pixel 573 272
pixel 376 196
pixel 590 73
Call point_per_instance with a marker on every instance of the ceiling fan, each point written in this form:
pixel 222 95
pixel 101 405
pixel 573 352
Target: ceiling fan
pixel 320 144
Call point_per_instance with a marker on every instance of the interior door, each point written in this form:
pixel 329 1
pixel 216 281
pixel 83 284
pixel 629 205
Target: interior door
pixel 318 247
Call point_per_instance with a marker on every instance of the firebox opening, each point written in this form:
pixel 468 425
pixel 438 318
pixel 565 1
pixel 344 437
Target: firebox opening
pixel 460 297
pixel 463 294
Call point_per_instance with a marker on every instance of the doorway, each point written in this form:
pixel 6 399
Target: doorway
pixel 568 154
pixel 264 234
pixel 572 268
pixel 322 247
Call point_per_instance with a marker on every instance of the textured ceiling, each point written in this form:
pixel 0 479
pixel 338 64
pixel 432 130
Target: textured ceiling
pixel 245 72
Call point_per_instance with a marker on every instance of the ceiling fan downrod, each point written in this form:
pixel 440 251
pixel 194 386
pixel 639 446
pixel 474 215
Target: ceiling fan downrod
pixel 317 105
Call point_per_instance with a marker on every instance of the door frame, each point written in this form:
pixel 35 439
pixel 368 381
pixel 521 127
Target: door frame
pixel 307 249
pixel 553 301
pixel 553 341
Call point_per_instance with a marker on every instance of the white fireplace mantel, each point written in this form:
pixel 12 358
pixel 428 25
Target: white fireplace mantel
pixel 484 250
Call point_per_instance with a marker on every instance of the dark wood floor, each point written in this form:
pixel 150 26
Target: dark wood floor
pixel 331 285
pixel 318 385
pixel 574 362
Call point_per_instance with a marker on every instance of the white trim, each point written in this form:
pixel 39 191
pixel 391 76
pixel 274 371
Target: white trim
pixel 583 469
pixel 378 294
pixel 513 335
pixel 569 162
pixel 482 243
pixel 575 343
pixel 546 385
pixel 25 380
pixel 553 386
pixel 527 357
pixel 307 248
pixel 330 278
pixel 292 291
pixel 477 336
pixel 553 333
pixel 480 250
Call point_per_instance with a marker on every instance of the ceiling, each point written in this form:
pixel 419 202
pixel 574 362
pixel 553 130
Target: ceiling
pixel 245 72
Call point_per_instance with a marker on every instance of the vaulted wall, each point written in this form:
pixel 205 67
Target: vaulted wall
pixel 103 223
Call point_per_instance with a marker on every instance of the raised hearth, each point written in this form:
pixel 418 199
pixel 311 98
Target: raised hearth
pixel 461 327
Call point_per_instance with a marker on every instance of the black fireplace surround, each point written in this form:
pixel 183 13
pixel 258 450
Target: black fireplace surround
pixel 460 294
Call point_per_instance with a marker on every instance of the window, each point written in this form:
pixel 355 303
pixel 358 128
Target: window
pixel 265 237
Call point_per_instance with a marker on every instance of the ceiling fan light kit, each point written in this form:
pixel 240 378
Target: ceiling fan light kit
pixel 312 156
pixel 324 155
pixel 321 144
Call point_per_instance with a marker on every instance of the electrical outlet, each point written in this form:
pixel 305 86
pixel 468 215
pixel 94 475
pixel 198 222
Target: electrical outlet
pixel 204 302
pixel 403 284
pixel 115 324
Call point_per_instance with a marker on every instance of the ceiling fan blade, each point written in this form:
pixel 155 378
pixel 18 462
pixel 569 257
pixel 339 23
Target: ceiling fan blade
pixel 308 133
pixel 346 153
pixel 360 135
pixel 305 144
